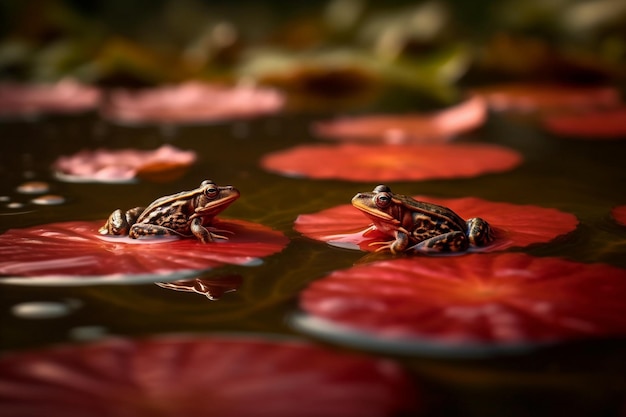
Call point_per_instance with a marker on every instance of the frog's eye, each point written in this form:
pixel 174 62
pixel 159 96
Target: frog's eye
pixel 211 191
pixel 382 200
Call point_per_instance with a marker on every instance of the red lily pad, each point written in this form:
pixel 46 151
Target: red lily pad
pixel 407 128
pixel 357 162
pixel 619 214
pixel 124 165
pixel 212 288
pixel 194 376
pixel 472 304
pixel 190 102
pixel 66 96
pixel 514 225
pixel 74 253
pixel 534 97
pixel 599 124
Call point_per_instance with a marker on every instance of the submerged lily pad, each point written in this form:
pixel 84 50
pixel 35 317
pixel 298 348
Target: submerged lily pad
pixel 541 97
pixel 66 96
pixel 190 102
pixel 124 165
pixel 598 124
pixel 514 225
pixel 619 214
pixel 408 128
pixel 467 305
pixel 202 376
pixel 357 162
pixel 74 253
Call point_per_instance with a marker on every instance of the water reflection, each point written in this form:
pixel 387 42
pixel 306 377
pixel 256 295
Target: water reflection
pixel 212 288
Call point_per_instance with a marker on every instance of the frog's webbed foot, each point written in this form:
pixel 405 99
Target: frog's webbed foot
pixel 383 246
pixel 213 232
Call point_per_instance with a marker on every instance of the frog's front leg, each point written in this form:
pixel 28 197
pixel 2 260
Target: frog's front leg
pixel 398 245
pixel 204 234
pixel 447 242
pixel 119 222
pixel 479 232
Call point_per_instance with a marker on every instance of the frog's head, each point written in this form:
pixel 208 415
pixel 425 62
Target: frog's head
pixel 212 199
pixel 378 204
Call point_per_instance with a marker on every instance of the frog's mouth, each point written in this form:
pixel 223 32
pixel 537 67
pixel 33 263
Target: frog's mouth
pixel 358 202
pixel 216 206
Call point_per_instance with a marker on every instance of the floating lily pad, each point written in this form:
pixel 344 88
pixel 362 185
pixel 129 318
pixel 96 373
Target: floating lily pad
pixel 407 128
pixel 74 253
pixel 514 225
pixel 124 165
pixel 358 162
pixel 619 214
pixel 66 96
pixel 466 305
pixel 598 124
pixel 202 376
pixel 190 102
pixel 538 97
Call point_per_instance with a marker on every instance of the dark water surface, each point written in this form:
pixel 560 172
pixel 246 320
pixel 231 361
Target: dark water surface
pixel 586 178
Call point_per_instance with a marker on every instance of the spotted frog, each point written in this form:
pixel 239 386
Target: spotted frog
pixel 188 214
pixel 419 226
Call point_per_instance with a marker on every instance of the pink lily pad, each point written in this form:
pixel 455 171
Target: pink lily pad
pixel 468 305
pixel 66 96
pixel 408 128
pixel 514 225
pixel 202 376
pixel 358 162
pixel 599 124
pixel 123 165
pixel 619 214
pixel 541 97
pixel 212 288
pixel 191 102
pixel 74 253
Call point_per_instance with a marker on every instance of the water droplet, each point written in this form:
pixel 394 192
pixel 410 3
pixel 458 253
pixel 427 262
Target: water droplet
pixel 87 333
pixel 42 309
pixel 33 187
pixel 48 200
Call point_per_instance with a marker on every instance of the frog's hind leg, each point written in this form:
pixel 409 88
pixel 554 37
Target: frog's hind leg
pixel 447 242
pixel 143 230
pixel 120 222
pixel 479 232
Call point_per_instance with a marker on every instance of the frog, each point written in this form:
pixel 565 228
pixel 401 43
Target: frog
pixel 418 226
pixel 185 214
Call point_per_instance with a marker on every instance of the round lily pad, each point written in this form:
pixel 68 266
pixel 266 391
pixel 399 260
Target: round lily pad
pixel 438 126
pixel 202 376
pixel 619 214
pixel 359 162
pixel 66 96
pixel 124 165
pixel 514 225
pixel 598 124
pixel 466 305
pixel 190 102
pixel 541 97
pixel 74 253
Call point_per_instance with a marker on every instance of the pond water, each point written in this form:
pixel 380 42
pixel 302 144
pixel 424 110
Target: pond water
pixel 585 178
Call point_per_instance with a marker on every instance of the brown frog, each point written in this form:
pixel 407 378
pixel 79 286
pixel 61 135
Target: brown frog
pixel 188 214
pixel 420 226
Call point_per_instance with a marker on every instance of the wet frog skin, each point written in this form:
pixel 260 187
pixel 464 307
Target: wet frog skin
pixel 188 214
pixel 419 226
